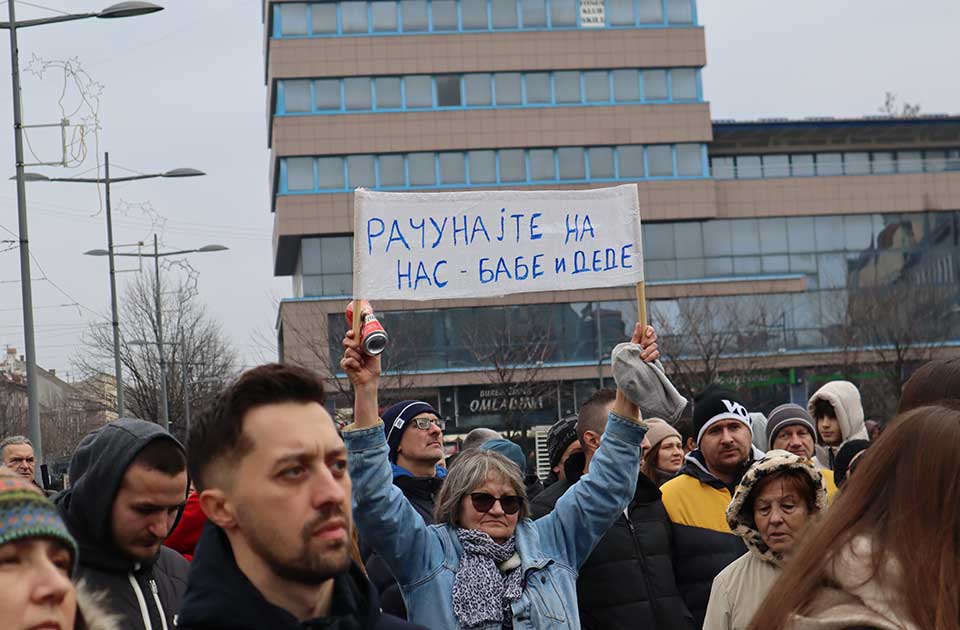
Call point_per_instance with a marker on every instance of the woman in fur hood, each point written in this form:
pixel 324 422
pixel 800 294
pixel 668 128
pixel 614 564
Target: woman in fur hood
pixel 777 498
pixel 37 559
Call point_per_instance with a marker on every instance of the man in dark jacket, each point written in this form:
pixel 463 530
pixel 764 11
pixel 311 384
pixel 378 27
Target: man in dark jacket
pixel 628 580
pixel 696 500
pixel 271 474
pixel 415 435
pixel 128 485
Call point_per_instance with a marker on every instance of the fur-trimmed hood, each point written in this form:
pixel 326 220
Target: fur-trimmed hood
pixel 741 522
pixel 92 613
pixel 844 397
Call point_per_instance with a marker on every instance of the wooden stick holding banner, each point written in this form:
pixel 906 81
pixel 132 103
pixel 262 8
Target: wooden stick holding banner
pixel 357 317
pixel 642 304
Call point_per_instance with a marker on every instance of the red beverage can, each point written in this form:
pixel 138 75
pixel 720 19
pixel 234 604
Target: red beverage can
pixel 373 337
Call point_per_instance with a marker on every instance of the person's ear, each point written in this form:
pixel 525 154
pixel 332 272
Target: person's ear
pixel 218 508
pixel 591 440
pixel 691 445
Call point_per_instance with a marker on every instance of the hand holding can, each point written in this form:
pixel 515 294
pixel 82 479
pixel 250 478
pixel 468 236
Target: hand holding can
pixel 373 337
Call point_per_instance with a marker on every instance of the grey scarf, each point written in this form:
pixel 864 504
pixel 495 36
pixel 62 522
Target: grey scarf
pixel 481 591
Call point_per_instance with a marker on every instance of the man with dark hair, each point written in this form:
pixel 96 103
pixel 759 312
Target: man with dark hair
pixel 128 485
pixel 271 473
pixel 696 500
pixel 415 434
pixel 562 442
pixel 628 580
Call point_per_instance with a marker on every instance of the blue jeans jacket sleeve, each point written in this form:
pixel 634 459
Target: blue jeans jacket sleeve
pixel 384 517
pixel 586 511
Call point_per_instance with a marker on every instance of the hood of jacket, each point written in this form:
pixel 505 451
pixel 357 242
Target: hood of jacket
pixel 844 397
pixel 219 595
pixel 741 519
pixel 96 472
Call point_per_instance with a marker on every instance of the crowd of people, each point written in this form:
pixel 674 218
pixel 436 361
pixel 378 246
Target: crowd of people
pixel 657 513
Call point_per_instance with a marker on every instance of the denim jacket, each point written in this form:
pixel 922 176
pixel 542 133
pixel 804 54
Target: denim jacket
pixel 424 559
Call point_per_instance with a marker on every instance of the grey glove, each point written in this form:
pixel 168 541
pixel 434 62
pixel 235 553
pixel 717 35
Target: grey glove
pixel 645 384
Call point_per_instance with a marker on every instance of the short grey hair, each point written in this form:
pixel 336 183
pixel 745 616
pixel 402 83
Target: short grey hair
pixel 471 470
pixel 478 437
pixel 13 440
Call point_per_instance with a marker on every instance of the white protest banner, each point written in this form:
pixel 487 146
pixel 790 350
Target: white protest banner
pixel 430 246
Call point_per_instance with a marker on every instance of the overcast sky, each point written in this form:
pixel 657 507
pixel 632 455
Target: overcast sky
pixel 184 87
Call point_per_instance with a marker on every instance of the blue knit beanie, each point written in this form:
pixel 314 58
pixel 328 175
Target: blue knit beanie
pixel 397 418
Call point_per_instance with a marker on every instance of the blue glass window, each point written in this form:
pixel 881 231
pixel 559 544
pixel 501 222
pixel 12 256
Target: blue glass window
pixel 293 19
pixel 296 96
pixel 488 167
pixel 655 85
pixel 660 160
pixel 395 17
pixel 474 15
pixel 483 167
pixel 509 88
pixel 353 16
pixel 534 13
pixel 300 174
pixel 504 14
pixel 324 18
pixel 388 92
pixel 479 90
pixel 444 15
pixel 385 18
pixel 563 13
pixel 413 14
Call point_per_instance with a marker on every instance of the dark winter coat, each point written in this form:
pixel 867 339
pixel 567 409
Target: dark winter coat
pixel 422 493
pixel 220 597
pixel 628 580
pixel 142 594
pixel 703 544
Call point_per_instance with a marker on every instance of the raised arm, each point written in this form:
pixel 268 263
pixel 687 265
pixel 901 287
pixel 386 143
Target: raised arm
pixel 590 507
pixel 385 519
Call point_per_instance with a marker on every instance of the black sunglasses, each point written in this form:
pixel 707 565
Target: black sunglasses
pixel 483 502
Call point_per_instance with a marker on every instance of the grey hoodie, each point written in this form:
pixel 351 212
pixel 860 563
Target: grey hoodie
pixel 844 397
pixel 145 595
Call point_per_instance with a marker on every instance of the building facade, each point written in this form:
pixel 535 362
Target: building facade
pixel 773 234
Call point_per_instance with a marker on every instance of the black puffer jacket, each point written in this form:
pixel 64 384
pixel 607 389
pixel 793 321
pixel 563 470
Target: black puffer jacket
pixel 142 594
pixel 220 597
pixel 628 580
pixel 703 544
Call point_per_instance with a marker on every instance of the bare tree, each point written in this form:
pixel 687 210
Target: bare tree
pixel 902 324
pixel 895 109
pixel 192 339
pixel 65 420
pixel 701 339
pixel 320 348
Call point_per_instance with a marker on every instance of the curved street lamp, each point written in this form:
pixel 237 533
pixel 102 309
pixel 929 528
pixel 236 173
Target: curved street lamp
pixel 106 180
pixel 123 9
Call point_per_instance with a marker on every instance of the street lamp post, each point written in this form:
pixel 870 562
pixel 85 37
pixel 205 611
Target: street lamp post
pixel 106 180
pixel 123 9
pixel 157 255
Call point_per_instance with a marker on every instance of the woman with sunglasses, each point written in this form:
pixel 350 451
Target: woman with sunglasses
pixel 485 564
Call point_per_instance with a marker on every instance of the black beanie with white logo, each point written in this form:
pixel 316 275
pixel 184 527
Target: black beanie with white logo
pixel 717 404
